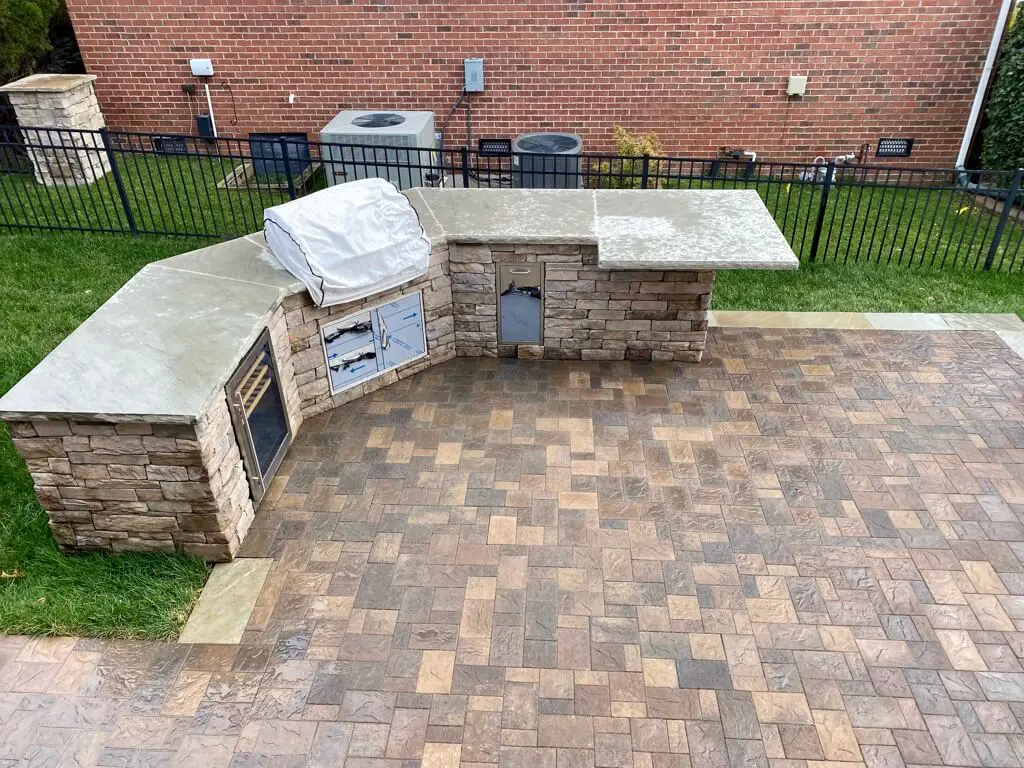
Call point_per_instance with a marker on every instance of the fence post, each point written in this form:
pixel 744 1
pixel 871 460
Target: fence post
pixel 292 194
pixel 464 159
pixel 1011 197
pixel 119 182
pixel 645 171
pixel 819 224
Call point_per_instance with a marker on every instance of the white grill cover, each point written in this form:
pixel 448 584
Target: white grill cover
pixel 348 241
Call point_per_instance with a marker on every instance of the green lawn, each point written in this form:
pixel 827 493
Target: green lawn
pixel 48 286
pixel 869 288
pixel 165 194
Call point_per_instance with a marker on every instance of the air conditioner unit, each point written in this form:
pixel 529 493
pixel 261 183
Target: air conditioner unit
pixel 363 144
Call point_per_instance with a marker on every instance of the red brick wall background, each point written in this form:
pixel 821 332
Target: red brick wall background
pixel 701 74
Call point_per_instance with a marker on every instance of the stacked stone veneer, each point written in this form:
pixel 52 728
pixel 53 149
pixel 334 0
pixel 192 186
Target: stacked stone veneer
pixel 589 313
pixel 60 102
pixel 149 486
pixel 304 319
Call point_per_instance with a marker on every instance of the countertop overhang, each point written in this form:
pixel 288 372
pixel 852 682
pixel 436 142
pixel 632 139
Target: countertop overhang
pixel 633 229
pixel 163 346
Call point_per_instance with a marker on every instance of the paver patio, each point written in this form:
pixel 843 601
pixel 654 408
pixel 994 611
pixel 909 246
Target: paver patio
pixel 805 551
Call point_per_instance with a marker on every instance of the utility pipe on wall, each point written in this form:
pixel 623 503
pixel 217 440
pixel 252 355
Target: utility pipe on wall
pixel 986 75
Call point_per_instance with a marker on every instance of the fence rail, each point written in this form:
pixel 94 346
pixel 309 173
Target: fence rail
pixel 161 184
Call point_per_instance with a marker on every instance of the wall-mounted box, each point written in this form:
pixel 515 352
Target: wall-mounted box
pixel 796 85
pixel 201 67
pixel 204 127
pixel 474 75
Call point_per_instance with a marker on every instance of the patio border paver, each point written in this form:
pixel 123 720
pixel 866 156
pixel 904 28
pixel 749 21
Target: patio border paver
pixel 227 602
pixel 1009 327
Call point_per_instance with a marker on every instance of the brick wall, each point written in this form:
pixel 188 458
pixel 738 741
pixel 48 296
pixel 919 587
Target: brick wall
pixel 702 74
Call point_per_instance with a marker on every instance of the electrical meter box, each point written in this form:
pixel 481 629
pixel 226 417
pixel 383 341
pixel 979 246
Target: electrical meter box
pixel 474 71
pixel 201 67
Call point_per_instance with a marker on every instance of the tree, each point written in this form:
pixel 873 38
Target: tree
pixel 64 55
pixel 24 35
pixel 1003 145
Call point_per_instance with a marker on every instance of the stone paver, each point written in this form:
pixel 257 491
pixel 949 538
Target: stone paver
pixel 805 552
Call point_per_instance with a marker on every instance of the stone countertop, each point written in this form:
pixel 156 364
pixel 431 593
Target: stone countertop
pixel 165 344
pixel 633 229
pixel 688 229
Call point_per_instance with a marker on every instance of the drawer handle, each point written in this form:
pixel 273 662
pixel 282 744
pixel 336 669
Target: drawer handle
pixel 346 363
pixel 519 271
pixel 361 327
pixel 533 291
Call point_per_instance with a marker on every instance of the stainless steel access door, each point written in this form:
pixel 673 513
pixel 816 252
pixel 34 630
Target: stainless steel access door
pixel 520 303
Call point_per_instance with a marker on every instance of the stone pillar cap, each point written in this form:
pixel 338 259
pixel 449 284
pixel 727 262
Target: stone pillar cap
pixel 47 83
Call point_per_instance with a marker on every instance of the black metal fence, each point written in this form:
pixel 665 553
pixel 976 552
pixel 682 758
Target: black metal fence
pixel 158 184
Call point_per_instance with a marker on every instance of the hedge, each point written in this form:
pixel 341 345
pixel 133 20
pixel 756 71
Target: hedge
pixel 1003 144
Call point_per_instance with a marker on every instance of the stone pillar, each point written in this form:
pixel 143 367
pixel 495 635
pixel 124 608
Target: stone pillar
pixel 44 102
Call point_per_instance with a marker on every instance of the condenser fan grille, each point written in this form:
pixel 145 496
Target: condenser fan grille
pixel 378 120
pixel 547 143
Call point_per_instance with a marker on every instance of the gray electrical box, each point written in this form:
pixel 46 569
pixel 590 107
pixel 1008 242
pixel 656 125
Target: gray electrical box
pixel 474 70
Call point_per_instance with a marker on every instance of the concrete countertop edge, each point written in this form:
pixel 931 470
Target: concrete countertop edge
pixel 98 417
pixel 484 239
pixel 703 266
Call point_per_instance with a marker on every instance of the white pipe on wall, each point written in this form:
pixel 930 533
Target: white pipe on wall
pixel 986 75
pixel 209 106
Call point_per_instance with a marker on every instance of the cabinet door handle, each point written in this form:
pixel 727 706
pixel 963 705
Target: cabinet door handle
pixel 337 333
pixel 347 362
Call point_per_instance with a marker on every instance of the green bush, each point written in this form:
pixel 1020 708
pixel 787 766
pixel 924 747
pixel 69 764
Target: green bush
pixel 627 173
pixel 1004 134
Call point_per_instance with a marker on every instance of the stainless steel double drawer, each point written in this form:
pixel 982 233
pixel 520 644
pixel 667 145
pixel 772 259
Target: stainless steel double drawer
pixel 371 341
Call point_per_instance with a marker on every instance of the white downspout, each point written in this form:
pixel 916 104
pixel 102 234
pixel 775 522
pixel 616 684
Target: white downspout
pixel 986 74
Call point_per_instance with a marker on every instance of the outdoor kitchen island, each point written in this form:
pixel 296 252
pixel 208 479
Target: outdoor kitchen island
pixel 157 423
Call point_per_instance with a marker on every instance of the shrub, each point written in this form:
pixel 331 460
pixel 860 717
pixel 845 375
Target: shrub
pixel 627 173
pixel 1003 145
pixel 634 144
